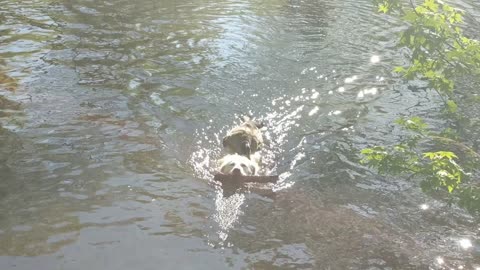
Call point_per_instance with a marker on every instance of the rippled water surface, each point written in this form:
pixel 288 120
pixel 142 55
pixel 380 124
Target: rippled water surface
pixel 112 113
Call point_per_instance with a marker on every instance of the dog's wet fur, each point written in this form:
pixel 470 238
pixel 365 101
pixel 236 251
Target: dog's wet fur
pixel 235 164
pixel 245 139
pixel 242 144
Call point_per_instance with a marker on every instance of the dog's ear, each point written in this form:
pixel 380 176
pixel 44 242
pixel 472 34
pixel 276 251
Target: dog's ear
pixel 249 118
pixel 246 118
pixel 246 150
pixel 224 141
pixel 259 124
pixel 253 169
pixel 219 163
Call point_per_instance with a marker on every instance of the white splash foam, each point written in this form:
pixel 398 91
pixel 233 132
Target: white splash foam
pixel 228 210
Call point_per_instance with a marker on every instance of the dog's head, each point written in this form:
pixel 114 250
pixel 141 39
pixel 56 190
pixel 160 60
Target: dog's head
pixel 252 122
pixel 237 165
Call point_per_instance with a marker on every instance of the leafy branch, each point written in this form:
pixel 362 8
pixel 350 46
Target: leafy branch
pixel 440 54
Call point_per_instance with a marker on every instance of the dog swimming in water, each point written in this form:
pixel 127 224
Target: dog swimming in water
pixel 242 144
pixel 245 139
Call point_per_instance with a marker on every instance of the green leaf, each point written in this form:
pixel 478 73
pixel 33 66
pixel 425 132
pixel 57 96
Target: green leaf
pixel 399 69
pixel 421 10
pixel 439 54
pixel 410 16
pixel 440 155
pixel 414 123
pixel 447 8
pixel 383 8
pixel 431 4
pixel 452 106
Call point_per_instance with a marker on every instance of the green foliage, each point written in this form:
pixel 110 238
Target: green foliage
pixel 439 50
pixel 386 6
pixel 439 169
pixel 396 160
pixel 414 124
pixel 429 37
pixel 439 54
pixel 443 171
pixel 452 106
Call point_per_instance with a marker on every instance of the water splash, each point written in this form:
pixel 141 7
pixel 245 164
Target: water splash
pixel 279 157
pixel 228 210
pixel 208 150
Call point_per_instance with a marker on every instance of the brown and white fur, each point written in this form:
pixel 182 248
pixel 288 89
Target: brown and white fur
pixel 235 164
pixel 241 144
pixel 245 139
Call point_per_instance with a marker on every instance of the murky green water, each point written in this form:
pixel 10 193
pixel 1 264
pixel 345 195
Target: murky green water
pixel 109 138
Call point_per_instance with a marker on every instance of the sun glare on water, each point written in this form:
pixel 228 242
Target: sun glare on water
pixel 375 59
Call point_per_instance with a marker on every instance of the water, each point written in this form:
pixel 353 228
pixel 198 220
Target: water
pixel 112 113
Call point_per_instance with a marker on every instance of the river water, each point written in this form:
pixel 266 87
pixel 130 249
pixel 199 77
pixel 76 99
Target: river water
pixel 112 113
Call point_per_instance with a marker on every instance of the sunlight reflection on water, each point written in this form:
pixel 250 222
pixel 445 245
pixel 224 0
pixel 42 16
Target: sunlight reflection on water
pixel 367 92
pixel 424 206
pixel 439 260
pixel 375 59
pixel 465 243
pixel 133 89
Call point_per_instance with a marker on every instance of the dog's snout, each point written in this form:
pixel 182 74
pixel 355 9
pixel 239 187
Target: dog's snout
pixel 236 171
